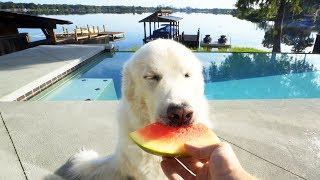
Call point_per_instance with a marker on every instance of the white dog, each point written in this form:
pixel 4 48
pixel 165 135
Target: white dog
pixel 163 82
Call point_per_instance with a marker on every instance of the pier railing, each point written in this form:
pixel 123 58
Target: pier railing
pixel 88 35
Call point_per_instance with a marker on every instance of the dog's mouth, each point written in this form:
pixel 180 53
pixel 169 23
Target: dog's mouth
pixel 175 123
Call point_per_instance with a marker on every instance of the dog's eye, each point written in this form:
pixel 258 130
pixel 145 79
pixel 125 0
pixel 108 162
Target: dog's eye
pixel 187 75
pixel 154 77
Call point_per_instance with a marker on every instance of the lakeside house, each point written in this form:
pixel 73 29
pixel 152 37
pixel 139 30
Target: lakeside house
pixel 10 38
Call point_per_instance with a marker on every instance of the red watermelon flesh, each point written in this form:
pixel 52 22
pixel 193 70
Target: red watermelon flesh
pixel 168 141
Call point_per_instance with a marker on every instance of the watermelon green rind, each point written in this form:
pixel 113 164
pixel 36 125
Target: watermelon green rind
pixel 154 151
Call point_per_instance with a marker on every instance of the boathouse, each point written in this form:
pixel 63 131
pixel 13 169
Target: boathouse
pixel 10 38
pixel 162 24
pixel 161 18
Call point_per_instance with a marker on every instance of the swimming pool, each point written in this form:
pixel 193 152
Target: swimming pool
pixel 227 76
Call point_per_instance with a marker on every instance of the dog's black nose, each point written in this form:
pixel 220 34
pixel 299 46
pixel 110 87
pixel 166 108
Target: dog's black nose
pixel 179 115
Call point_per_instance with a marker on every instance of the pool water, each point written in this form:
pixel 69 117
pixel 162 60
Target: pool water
pixel 227 76
pixel 90 89
pixel 269 87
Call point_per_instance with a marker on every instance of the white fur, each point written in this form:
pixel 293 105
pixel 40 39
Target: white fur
pixel 145 100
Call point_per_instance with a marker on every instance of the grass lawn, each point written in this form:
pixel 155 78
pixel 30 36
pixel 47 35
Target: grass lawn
pixel 201 49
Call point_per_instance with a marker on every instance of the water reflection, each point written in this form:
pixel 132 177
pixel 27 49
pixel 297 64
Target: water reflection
pixel 244 65
pixel 262 75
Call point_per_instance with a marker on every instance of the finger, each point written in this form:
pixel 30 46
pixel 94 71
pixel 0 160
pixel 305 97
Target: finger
pixel 204 172
pixel 203 152
pixel 176 177
pixel 173 170
pixel 223 160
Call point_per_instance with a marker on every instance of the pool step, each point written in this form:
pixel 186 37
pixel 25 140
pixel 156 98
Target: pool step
pixel 86 89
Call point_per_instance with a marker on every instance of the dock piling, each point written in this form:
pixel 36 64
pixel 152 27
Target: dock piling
pixel 89 35
pixel 28 38
pixel 54 36
pixel 75 35
pixel 67 33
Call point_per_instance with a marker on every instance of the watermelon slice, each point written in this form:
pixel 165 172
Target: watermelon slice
pixel 168 141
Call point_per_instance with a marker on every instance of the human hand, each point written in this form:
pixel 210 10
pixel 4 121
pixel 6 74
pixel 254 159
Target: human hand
pixel 212 162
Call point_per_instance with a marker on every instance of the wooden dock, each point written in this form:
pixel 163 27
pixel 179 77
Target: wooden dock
pixel 190 40
pixel 88 35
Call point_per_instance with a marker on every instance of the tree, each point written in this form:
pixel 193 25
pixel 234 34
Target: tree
pixel 298 38
pixel 271 9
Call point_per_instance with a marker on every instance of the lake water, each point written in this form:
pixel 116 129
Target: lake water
pixel 242 33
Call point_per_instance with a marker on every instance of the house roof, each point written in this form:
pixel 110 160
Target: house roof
pixel 29 21
pixel 161 16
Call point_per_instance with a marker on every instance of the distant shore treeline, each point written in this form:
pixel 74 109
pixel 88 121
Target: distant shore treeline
pixel 32 8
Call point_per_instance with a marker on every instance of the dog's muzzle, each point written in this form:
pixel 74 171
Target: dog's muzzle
pixel 179 114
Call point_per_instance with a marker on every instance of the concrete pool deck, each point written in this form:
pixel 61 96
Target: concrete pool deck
pixel 25 72
pixel 274 139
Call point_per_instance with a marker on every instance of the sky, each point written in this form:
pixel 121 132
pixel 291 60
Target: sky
pixel 145 3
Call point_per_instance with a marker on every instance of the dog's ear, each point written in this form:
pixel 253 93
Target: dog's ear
pixel 131 95
pixel 128 87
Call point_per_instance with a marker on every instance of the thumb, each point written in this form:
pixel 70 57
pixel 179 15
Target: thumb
pixel 223 161
pixel 200 152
